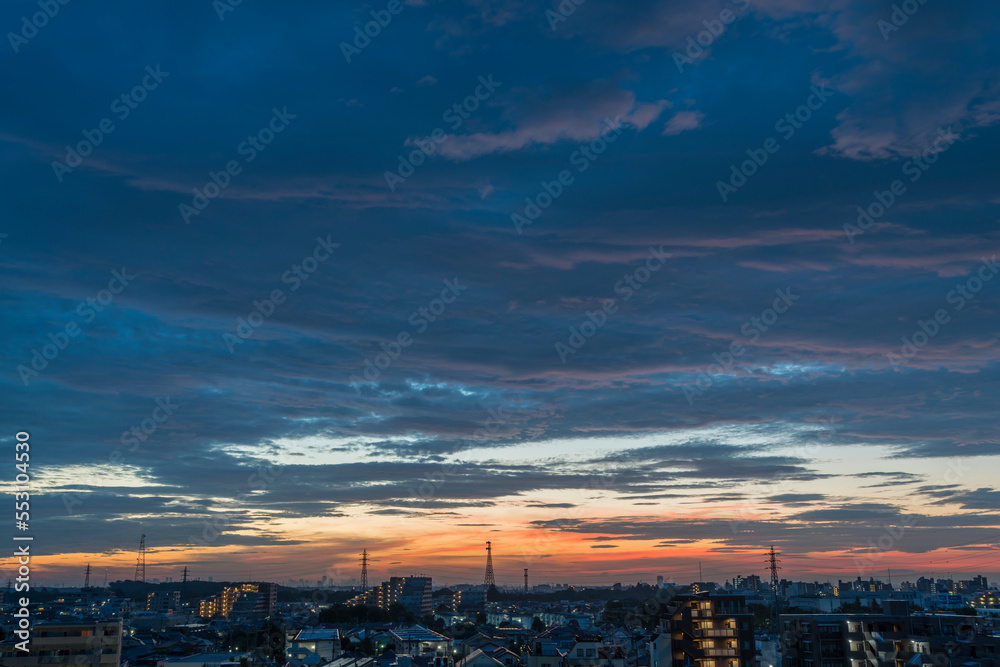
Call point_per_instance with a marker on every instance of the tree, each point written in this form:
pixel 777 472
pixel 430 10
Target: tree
pixel 480 618
pixel 537 624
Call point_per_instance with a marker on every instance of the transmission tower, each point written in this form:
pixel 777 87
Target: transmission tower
pixel 140 562
pixel 772 564
pixel 525 581
pixel 364 570
pixel 490 580
pixel 86 579
pixel 184 575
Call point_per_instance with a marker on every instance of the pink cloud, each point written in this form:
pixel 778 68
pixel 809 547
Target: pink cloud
pixel 682 122
pixel 579 115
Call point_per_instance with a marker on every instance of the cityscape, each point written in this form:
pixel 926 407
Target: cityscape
pixel 409 621
pixel 500 333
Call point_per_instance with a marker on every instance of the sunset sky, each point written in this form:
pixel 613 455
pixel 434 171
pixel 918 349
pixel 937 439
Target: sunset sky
pixel 592 285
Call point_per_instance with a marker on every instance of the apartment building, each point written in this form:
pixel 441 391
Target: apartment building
pixel 892 639
pixel 414 593
pixel 709 630
pixel 249 601
pixel 163 601
pixel 95 644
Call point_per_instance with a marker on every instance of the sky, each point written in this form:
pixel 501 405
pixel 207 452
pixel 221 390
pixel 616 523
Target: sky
pixel 626 289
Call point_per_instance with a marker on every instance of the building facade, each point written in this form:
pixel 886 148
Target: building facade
pixel 413 593
pixel 97 644
pixel 892 639
pixel 709 630
pixel 163 601
pixel 249 601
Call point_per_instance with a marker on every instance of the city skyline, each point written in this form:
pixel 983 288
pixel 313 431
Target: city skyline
pixel 627 290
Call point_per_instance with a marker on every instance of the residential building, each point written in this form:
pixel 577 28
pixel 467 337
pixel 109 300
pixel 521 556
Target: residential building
pixel 468 600
pixel 97 644
pixel 990 599
pixel 887 640
pixel 322 642
pixel 207 660
pixel 413 593
pixel 250 601
pixel 163 601
pixel 709 630
pixel 418 640
pixel 660 654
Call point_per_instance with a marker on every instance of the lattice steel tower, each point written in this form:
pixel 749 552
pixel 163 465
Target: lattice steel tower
pixel 772 564
pixel 490 580
pixel 364 570
pixel 86 580
pixel 140 562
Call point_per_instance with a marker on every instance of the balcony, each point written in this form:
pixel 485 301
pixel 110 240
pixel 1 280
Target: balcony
pixel 701 613
pixel 715 632
pixel 721 652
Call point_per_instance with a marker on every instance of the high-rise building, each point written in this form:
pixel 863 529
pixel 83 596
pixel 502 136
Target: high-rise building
pixel 254 601
pixel 708 630
pixel 96 644
pixel 414 593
